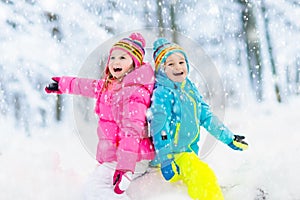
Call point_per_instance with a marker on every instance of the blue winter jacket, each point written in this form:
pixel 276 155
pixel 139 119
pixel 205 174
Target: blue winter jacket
pixel 175 116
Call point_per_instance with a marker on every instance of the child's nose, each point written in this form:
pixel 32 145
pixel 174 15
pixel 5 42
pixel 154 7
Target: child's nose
pixel 177 66
pixel 116 61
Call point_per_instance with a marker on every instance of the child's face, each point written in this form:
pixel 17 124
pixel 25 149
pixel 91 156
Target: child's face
pixel 175 67
pixel 119 63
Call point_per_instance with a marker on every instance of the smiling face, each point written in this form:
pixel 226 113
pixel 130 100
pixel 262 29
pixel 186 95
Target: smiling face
pixel 176 67
pixel 120 63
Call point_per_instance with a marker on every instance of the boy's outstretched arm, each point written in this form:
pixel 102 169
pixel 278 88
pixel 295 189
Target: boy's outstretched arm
pixel 215 127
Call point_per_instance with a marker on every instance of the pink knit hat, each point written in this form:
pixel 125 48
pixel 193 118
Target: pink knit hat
pixel 134 46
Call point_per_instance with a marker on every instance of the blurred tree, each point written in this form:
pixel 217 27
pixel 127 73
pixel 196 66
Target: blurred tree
pixel 254 57
pixel 297 80
pixel 159 4
pixel 53 20
pixel 174 27
pixel 270 51
pixel 166 17
pixel 56 33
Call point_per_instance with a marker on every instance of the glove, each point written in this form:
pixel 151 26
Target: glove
pixel 53 87
pixel 121 180
pixel 238 143
pixel 169 169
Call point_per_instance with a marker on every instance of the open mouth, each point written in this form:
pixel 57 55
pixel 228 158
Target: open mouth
pixel 117 69
pixel 178 74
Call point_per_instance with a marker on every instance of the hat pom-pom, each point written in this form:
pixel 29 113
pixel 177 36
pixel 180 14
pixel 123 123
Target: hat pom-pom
pixel 159 42
pixel 139 38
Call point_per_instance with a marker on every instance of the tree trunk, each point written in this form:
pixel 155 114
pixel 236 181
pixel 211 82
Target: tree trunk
pixel 147 16
pixel 173 23
pixel 160 17
pixel 297 81
pixel 270 50
pixel 58 107
pixel 253 48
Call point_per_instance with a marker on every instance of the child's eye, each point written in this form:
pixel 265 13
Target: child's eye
pixel 170 64
pixel 122 58
pixel 182 62
pixel 112 58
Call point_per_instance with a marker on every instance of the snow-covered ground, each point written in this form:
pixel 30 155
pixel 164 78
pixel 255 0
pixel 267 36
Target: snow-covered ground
pixel 53 164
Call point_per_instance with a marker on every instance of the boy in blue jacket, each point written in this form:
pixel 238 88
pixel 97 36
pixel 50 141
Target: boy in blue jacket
pixel 175 116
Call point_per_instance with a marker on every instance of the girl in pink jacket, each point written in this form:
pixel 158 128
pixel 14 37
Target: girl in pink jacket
pixel 122 98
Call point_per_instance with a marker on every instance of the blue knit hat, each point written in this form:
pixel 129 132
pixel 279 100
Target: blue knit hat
pixel 162 49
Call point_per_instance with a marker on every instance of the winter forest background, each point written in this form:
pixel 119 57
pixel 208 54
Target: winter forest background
pixel 253 44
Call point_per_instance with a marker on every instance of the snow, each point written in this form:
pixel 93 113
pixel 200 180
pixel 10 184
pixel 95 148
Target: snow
pixel 270 163
pixel 52 163
pixel 43 159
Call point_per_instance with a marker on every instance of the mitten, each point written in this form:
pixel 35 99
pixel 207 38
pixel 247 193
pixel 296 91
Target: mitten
pixel 169 169
pixel 121 180
pixel 238 143
pixel 53 87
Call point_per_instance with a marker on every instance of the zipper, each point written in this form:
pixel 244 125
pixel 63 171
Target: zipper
pixel 195 115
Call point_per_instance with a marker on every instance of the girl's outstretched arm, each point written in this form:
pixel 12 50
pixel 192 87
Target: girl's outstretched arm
pixel 80 86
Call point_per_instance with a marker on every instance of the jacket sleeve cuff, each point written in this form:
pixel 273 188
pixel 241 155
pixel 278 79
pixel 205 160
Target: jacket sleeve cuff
pixel 65 84
pixel 127 154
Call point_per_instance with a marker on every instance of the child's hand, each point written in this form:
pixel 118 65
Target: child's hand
pixel 238 143
pixel 53 87
pixel 121 180
pixel 169 169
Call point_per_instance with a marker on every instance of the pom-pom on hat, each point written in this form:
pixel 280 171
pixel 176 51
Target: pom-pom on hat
pixel 134 46
pixel 162 48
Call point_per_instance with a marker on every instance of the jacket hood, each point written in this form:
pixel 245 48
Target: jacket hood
pixel 163 79
pixel 143 75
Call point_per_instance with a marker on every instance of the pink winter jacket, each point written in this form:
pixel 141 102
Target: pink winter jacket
pixel 122 127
